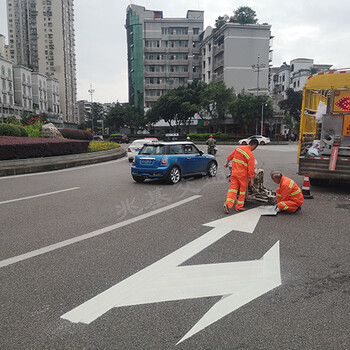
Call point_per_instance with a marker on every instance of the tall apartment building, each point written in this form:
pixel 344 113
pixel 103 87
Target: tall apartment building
pixel 163 53
pixel 41 37
pixel 238 55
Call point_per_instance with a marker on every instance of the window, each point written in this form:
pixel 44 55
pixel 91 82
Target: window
pixel 190 149
pixel 175 149
pixel 195 31
pixel 153 150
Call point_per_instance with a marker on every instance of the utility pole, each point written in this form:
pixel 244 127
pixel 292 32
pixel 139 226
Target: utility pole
pixel 262 117
pixel 91 91
pixel 258 68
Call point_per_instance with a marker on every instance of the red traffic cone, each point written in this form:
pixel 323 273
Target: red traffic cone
pixel 306 188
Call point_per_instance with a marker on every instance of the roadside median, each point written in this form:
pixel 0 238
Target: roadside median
pixel 33 165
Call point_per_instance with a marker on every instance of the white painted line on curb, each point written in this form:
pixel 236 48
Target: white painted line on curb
pixel 101 231
pixel 39 195
pixel 61 170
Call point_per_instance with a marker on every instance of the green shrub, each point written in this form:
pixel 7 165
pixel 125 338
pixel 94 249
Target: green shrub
pixel 96 146
pixel 11 119
pixel 88 135
pixel 9 130
pixel 22 130
pixel 75 134
pixel 223 136
pixel 34 130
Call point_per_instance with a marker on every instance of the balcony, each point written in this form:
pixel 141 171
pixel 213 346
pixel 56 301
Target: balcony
pixel 218 49
pixel 218 64
pixel 151 98
pixel 217 78
pixel 154 49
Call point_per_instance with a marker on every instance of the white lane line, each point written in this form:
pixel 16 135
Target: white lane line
pixel 39 195
pixel 61 170
pixel 101 231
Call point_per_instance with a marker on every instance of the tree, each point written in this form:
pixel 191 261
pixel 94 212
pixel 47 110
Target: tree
pixel 245 15
pixel 247 109
pixel 216 99
pixel 292 104
pixel 178 106
pixel 220 21
pixel 96 113
pixel 124 116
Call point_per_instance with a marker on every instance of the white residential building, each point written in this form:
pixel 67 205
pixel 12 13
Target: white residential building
pixel 6 87
pixel 23 87
pixel 41 37
pixel 40 100
pixel 53 95
pixel 238 55
pixel 293 75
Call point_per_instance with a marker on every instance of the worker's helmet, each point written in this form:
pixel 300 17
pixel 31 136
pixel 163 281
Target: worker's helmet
pixel 210 135
pixel 188 139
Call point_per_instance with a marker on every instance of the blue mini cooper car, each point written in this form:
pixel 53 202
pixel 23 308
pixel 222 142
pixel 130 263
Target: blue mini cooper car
pixel 171 161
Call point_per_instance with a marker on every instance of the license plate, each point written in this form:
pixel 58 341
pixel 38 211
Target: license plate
pixel 147 161
pixel 137 149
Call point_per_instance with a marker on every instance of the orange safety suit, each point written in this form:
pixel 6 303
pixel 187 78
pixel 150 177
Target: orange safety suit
pixel 289 195
pixel 243 167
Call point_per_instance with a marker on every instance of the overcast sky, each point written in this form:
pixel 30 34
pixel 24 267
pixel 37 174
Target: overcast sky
pixel 318 29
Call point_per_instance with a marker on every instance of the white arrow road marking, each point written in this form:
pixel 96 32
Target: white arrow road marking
pixel 165 280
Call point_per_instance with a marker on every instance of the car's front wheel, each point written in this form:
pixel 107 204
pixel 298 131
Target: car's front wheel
pixel 138 178
pixel 174 175
pixel 244 143
pixel 212 169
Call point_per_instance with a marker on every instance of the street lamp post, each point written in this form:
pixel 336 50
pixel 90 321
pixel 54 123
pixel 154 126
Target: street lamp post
pixel 262 117
pixel 91 91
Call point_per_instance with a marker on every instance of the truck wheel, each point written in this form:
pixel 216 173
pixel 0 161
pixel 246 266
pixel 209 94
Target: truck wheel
pixel 138 178
pixel 174 175
pixel 212 169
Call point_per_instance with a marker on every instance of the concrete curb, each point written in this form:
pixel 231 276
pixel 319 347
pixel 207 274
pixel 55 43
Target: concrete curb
pixel 33 165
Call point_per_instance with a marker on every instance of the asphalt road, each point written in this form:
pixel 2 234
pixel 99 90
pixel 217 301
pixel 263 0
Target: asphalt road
pixel 67 236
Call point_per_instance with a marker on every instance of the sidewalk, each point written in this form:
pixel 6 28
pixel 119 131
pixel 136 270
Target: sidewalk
pixel 33 165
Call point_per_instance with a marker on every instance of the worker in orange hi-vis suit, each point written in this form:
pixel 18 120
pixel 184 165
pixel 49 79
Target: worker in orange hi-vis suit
pixel 243 167
pixel 289 195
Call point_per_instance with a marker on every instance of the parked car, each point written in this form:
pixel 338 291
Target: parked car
pixel 135 148
pixel 98 138
pixel 172 161
pixel 122 138
pixel 261 139
pixel 153 139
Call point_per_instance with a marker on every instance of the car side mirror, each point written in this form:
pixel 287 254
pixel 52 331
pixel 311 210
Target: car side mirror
pixel 201 153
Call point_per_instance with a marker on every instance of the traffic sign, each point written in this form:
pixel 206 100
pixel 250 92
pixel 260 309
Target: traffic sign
pixel 341 101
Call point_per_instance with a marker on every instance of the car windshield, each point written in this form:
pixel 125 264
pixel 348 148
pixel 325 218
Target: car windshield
pixel 152 149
